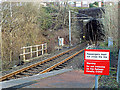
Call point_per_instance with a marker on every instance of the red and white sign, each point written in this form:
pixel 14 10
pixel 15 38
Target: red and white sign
pixel 96 61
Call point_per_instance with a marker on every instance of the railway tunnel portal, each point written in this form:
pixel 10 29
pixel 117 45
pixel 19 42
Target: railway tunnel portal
pixel 91 25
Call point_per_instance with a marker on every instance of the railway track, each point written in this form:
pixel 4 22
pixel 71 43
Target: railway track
pixel 53 63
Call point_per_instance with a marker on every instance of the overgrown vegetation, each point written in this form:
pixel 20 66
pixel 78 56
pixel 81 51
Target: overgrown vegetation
pixel 95 4
pixel 110 21
pixel 25 24
pixel 19 28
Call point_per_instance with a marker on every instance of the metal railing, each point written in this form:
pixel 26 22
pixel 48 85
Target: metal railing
pixel 29 50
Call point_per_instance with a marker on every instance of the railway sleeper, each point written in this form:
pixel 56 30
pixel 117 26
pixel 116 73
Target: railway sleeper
pixel 18 76
pixel 65 63
pixel 29 71
pixel 67 53
pixel 39 65
pixel 24 74
pixel 29 74
pixel 51 60
pixel 34 69
pixel 42 64
pixel 59 66
pixel 62 65
pixel 38 70
pixel 48 61
pixel 51 70
pixel 6 79
pixel 45 62
pixel 15 76
pixel 11 78
pixel 56 68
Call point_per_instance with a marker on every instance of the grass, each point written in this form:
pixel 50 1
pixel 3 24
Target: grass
pixel 110 80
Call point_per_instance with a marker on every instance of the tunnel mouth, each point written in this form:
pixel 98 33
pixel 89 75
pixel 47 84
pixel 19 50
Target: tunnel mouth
pixel 94 31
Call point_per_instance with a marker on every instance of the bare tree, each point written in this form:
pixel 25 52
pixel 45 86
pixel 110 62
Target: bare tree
pixel 110 21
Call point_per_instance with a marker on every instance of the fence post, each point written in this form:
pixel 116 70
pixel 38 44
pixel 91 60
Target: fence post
pixel 24 54
pixel 42 49
pixel 37 51
pixel 46 48
pixel 31 51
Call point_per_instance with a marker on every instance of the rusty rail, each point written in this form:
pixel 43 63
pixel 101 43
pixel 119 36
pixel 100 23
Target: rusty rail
pixel 59 63
pixel 31 66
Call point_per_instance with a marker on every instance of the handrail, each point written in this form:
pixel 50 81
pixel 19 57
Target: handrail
pixel 42 49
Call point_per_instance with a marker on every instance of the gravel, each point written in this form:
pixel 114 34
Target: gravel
pixel 76 62
pixel 33 61
pixel 4 72
pixel 107 82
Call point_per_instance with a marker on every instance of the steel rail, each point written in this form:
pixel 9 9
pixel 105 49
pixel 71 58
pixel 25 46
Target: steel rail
pixel 33 65
pixel 59 63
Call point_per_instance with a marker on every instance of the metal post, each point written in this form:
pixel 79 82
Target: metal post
pixel 118 68
pixel 69 28
pixel 96 82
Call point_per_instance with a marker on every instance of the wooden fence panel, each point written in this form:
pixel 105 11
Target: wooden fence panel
pixel 38 48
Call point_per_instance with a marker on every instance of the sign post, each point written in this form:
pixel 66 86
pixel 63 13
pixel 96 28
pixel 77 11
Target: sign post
pixel 96 81
pixel 69 27
pixel 96 62
pixel 118 68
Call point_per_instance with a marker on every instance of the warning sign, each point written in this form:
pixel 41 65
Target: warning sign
pixel 96 62
pixel 96 68
pixel 97 55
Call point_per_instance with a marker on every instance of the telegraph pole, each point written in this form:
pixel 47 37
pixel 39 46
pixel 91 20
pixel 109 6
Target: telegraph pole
pixel 69 28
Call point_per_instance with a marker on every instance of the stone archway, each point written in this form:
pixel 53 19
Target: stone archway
pixel 94 31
